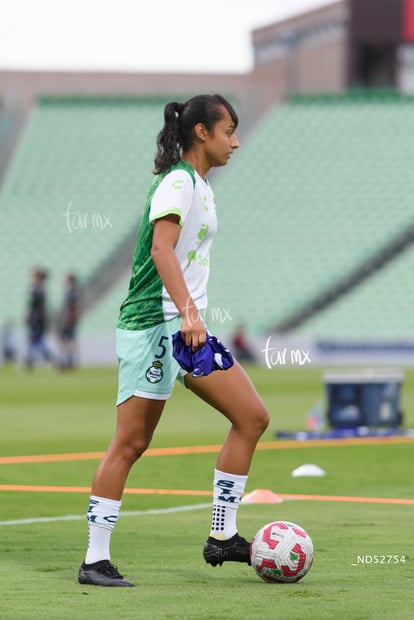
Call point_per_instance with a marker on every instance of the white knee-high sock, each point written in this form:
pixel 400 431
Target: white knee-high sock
pixel 102 515
pixel 228 490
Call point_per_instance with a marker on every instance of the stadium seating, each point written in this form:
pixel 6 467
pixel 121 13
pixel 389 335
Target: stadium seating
pixel 379 309
pixel 74 189
pixel 317 187
pixel 321 184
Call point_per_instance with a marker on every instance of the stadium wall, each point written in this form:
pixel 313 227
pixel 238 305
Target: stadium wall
pixel 304 54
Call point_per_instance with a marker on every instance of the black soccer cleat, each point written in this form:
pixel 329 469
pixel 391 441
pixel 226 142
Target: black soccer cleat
pixel 236 549
pixel 102 573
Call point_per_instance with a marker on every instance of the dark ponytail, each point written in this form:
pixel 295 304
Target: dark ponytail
pixel 179 121
pixel 170 138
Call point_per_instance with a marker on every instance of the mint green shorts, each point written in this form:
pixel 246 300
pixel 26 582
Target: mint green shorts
pixel 146 364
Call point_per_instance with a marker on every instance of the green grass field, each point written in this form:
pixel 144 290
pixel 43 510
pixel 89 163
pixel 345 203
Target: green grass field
pixel 160 550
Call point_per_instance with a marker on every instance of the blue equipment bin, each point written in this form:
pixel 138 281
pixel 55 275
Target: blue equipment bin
pixel 363 398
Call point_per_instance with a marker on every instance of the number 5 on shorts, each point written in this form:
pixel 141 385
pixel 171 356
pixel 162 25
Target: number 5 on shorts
pixel 162 347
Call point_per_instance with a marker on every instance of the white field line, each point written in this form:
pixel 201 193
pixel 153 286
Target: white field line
pixel 132 513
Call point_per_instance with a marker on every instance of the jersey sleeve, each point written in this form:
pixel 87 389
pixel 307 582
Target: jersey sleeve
pixel 174 195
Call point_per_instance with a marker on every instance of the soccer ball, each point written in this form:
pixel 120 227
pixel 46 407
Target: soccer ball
pixel 281 552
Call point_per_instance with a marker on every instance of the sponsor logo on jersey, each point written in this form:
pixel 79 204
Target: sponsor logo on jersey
pixel 203 232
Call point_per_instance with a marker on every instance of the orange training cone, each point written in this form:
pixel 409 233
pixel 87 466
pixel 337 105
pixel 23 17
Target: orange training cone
pixel 261 496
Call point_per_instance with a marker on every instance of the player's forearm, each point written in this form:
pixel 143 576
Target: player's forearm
pixel 170 272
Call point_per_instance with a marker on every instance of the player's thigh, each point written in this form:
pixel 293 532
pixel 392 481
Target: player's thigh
pixel 136 421
pixel 232 393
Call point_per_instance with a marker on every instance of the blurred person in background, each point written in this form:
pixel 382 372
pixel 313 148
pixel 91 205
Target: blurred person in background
pixel 241 346
pixel 8 343
pixel 37 320
pixel 68 322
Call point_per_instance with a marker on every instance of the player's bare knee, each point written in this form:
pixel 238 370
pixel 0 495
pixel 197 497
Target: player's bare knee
pixel 265 420
pixel 262 420
pixel 136 449
pixel 255 422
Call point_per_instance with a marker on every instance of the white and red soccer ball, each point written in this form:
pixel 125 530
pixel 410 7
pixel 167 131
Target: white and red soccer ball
pixel 281 552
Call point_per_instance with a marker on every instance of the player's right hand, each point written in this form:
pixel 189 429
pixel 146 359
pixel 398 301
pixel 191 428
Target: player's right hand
pixel 193 330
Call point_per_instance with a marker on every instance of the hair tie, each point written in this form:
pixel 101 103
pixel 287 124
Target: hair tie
pixel 179 107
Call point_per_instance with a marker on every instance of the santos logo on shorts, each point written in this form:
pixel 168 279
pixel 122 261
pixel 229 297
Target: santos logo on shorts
pixel 154 373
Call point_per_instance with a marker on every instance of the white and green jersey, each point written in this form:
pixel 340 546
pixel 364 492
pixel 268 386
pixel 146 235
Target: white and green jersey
pixel 180 191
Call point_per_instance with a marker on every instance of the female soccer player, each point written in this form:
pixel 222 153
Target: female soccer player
pixel 167 293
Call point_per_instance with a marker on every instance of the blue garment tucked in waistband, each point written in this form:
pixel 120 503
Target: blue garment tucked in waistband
pixel 211 356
